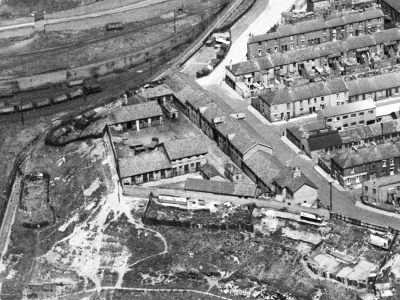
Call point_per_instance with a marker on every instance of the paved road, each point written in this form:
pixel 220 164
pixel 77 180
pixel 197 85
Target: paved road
pixel 238 50
pixel 343 202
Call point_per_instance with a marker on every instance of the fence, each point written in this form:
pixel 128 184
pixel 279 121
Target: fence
pixel 360 223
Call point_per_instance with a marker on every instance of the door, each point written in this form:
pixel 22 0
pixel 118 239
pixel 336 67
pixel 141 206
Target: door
pixel 186 168
pixel 310 110
pixel 145 178
pixel 313 109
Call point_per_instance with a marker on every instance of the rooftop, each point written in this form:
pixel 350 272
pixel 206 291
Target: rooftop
pixel 393 3
pixel 158 91
pixel 388 180
pixel 265 166
pixel 347 108
pixel 286 179
pixel 146 162
pixel 135 112
pixel 209 170
pixel 182 148
pixel 221 187
pixel 316 24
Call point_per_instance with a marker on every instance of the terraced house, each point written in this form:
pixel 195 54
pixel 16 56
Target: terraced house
pixel 392 8
pixel 294 102
pixel 316 139
pixel 296 67
pixel 314 32
pixel 352 168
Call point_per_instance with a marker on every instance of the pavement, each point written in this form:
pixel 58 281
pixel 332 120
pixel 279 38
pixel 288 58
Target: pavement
pixel 344 201
pixel 238 50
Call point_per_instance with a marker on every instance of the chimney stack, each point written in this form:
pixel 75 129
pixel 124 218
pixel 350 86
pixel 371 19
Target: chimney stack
pixel 296 172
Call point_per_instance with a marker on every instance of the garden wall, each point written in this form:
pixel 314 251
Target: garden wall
pixel 144 192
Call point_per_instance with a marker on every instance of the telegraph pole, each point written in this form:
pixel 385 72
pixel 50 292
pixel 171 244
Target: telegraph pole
pixel 22 111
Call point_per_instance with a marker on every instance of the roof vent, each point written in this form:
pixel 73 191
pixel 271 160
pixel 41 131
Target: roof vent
pixel 239 116
pixel 219 120
pixel 296 172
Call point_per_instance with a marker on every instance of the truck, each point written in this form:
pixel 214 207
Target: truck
pixel 75 94
pixel 59 99
pixel 7 110
pixel 41 103
pixel 91 88
pixel 114 26
pixel 6 93
pixel 75 82
pixel 24 107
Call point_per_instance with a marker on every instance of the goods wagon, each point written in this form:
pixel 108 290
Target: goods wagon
pixel 24 107
pixel 59 99
pixel 75 82
pixel 6 93
pixel 41 103
pixel 91 88
pixel 75 95
pixel 7 110
pixel 114 26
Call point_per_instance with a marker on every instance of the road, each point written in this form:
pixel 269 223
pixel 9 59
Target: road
pixel 238 50
pixel 343 202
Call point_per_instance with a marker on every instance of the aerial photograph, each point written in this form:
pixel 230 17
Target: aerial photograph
pixel 199 149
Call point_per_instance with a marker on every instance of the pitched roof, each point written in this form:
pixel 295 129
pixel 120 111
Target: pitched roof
pixel 364 155
pixel 386 180
pixel 315 24
pixel 347 108
pixel 265 166
pixel 209 170
pixel 393 3
pixel 221 187
pixel 373 84
pixel 182 148
pixel 135 112
pixel 155 160
pixel 285 179
pixel 322 141
pixel 158 91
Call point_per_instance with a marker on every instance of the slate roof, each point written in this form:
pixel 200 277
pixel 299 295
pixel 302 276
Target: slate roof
pixel 313 52
pixel 316 24
pixel 386 180
pixel 158 91
pixel 285 179
pixel 265 166
pixel 317 142
pixel 182 148
pixel 373 84
pixel 365 155
pixel 155 160
pixel 393 3
pixel 347 108
pixel 209 170
pixel 221 187
pixel 135 112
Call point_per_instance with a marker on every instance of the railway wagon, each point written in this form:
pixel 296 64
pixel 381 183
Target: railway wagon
pixel 59 99
pixel 24 107
pixel 114 26
pixel 91 88
pixel 75 83
pixel 6 93
pixel 7 110
pixel 41 103
pixel 13 102
pixel 75 94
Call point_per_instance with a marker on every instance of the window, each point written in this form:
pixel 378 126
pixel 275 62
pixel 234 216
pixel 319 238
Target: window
pixel 322 106
pixel 322 99
pixel 383 172
pixel 345 117
pixel 361 122
pixel 396 90
pixel 329 120
pixel 301 103
pixel 259 43
pixel 337 96
pixel 302 37
pixel 370 112
pixel 359 24
pixel 291 37
pixel 353 124
pixel 288 106
pixel 276 49
pixel 337 118
pixel 352 171
pixel 259 52
pixel 384 163
pixel 324 31
pixel 366 188
pixel 303 43
pixel 361 114
pixel 363 168
pixel 353 115
pixel 379 94
pixel 324 39
pixel 351 26
pixel 315 100
pixel 309 101
pixel 291 46
pixel 373 165
pixel 348 181
pixel 346 126
pixel 366 198
pixel 337 103
pixel 374 191
pixel 275 107
pixel 392 161
pixel 369 96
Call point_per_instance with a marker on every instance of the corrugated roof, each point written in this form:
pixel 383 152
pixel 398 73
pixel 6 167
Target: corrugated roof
pixel 155 160
pixel 182 148
pixel 135 112
pixel 221 187
pixel 347 108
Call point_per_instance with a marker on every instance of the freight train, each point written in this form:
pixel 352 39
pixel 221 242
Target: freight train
pixel 11 106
